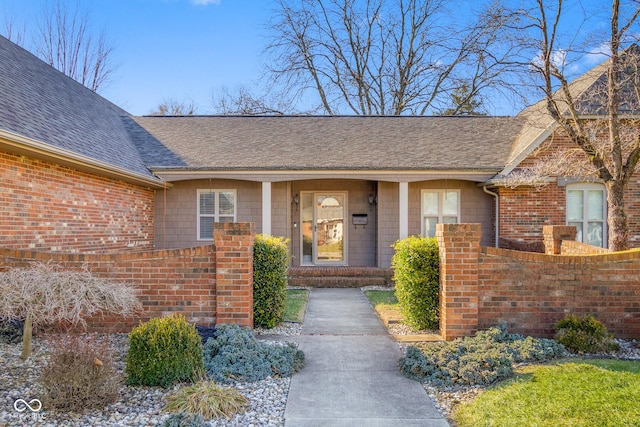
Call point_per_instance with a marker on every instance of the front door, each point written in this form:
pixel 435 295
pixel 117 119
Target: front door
pixel 323 228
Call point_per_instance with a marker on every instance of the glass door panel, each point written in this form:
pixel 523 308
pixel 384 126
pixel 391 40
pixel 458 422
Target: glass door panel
pixel 330 213
pixel 307 228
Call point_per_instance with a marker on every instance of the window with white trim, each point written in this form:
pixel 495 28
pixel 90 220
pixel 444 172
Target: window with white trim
pixel 215 206
pixel 587 211
pixel 439 207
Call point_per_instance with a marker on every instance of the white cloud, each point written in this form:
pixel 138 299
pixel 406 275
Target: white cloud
pixel 205 2
pixel 597 54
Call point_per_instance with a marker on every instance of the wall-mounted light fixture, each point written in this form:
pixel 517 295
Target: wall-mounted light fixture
pixel 372 199
pixel 296 199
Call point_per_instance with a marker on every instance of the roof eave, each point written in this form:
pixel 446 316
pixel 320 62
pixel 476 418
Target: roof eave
pixel 21 145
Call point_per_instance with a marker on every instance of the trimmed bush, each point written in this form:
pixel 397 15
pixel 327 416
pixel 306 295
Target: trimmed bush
pixel 584 335
pixel 164 351
pixel 270 263
pixel 235 354
pixel 80 374
pixel 482 360
pixel 416 272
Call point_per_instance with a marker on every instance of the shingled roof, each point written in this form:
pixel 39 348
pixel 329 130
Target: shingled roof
pixel 332 143
pixel 40 103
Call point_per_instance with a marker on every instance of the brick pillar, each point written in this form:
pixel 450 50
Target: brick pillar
pixel 234 272
pixel 459 246
pixel 553 236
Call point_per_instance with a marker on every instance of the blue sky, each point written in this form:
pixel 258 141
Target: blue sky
pixel 172 49
pixel 185 50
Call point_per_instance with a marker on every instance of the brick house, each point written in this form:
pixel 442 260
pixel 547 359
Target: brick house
pixel 79 174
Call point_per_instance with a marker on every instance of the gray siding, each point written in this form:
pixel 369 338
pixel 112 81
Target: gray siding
pixel 176 210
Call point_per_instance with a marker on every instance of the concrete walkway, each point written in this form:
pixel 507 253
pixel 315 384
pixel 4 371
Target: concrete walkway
pixel 351 375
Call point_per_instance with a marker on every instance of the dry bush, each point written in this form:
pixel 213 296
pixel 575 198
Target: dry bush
pixel 80 374
pixel 46 293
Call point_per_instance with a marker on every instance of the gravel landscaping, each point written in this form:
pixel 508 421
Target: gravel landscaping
pixel 137 406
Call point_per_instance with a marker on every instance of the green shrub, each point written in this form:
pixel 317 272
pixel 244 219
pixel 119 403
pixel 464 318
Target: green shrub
pixel 184 420
pixel 584 335
pixel 10 330
pixel 416 272
pixel 484 359
pixel 270 262
pixel 164 351
pixel 235 354
pixel 207 399
pixel 80 374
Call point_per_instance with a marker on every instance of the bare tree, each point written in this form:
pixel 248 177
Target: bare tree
pixel 173 107
pixel 384 57
pixel 597 112
pixel 241 102
pixel 14 31
pixel 65 42
pixel 44 294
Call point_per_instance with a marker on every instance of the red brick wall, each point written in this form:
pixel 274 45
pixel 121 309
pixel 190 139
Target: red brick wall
pixel 167 281
pixel 207 284
pixel 532 291
pixel 47 207
pixel 525 210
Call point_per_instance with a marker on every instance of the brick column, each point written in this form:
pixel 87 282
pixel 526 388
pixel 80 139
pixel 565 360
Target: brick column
pixel 234 272
pixel 459 246
pixel 553 235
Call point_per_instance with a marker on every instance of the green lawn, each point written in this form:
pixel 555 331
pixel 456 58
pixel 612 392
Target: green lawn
pixel 295 305
pixel 381 297
pixel 571 393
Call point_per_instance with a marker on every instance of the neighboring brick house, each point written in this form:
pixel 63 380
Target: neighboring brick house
pixel 79 174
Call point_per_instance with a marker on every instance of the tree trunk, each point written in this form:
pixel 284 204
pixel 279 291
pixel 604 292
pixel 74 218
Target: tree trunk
pixel 27 331
pixel 616 217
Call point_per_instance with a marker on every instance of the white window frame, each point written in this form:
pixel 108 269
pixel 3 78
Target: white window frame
pixel 441 215
pixel 585 187
pixel 216 215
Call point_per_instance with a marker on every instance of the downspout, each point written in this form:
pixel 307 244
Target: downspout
pixel 497 197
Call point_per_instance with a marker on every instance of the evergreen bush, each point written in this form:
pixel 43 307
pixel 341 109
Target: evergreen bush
pixel 584 334
pixel 235 354
pixel 10 330
pixel 481 360
pixel 184 419
pixel 270 263
pixel 416 272
pixel 164 351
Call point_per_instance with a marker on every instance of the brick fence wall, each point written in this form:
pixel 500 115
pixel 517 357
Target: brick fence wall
pixel 207 284
pixel 482 287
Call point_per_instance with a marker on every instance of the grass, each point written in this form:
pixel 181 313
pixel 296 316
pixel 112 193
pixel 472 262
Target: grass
pixel 295 305
pixel 386 305
pixel 576 393
pixel 381 297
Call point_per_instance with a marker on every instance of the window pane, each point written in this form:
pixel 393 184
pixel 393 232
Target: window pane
pixel 226 219
pixel 575 205
pixel 430 226
pixel 227 203
pixel 206 228
pixel 579 230
pixel 207 203
pixel 595 204
pixel 450 220
pixel 594 233
pixel 450 203
pixel 430 203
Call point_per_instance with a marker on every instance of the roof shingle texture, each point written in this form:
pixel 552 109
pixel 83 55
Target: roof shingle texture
pixel 332 143
pixel 43 104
